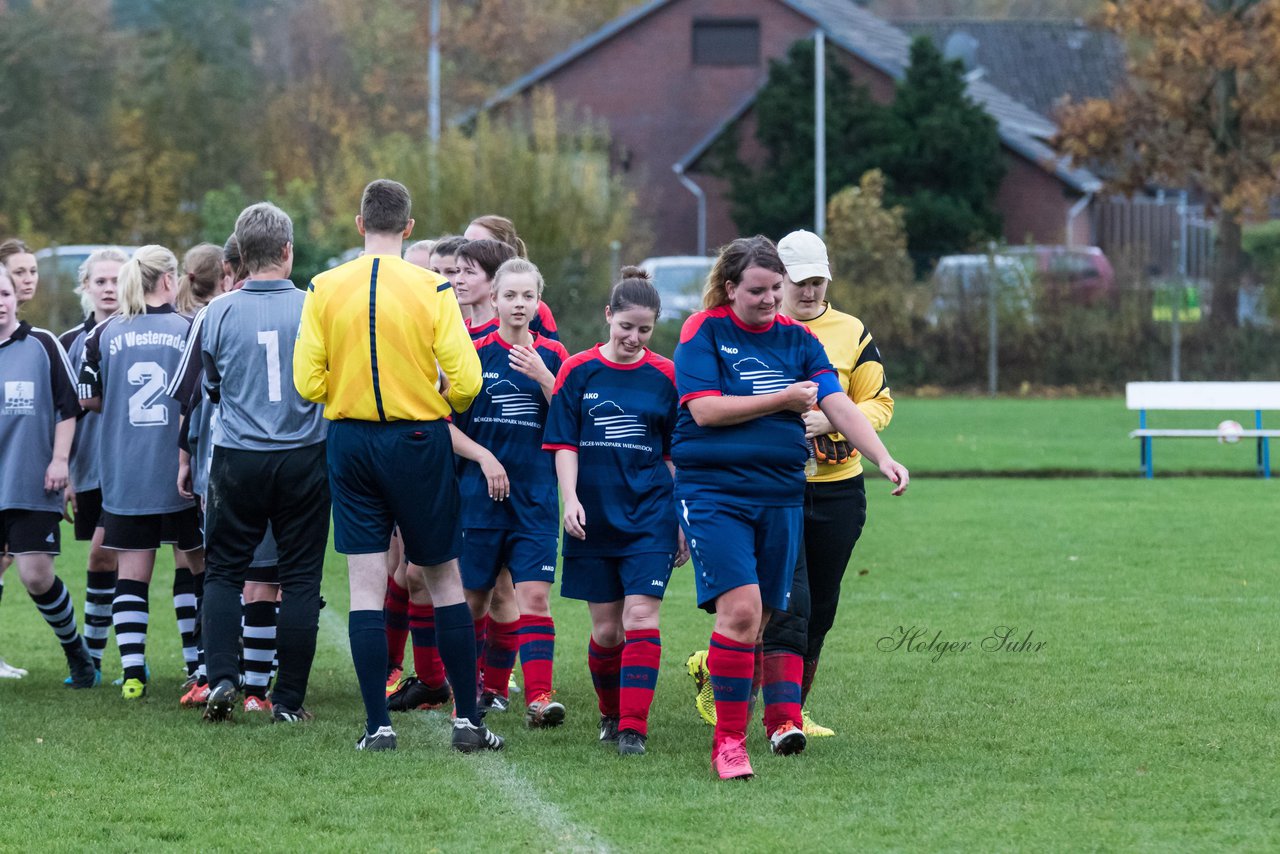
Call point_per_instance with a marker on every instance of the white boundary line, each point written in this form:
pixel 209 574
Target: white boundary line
pixel 502 775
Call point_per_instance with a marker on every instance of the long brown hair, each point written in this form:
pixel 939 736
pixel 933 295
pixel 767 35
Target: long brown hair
pixel 733 260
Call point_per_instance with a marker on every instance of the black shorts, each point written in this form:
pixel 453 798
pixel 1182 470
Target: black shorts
pixel 149 532
pixel 263 574
pixel 88 513
pixel 25 532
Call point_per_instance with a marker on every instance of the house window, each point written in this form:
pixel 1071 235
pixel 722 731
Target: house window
pixel 726 41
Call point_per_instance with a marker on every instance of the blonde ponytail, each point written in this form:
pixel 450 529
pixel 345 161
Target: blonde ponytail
pixel 139 277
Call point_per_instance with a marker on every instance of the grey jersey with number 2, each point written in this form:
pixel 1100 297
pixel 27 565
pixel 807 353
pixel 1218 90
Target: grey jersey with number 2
pixel 128 363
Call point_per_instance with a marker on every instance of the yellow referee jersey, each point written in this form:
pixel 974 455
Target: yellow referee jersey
pixel 857 362
pixel 373 332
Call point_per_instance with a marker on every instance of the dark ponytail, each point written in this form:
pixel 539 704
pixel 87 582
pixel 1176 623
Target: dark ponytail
pixel 635 290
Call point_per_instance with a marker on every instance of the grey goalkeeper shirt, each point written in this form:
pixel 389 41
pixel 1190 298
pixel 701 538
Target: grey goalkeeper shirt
pixel 246 342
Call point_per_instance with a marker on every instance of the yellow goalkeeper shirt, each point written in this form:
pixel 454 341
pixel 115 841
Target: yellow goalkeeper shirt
pixel 376 334
pixel 857 362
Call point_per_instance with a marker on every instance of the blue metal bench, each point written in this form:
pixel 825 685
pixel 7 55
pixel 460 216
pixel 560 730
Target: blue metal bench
pixel 1258 397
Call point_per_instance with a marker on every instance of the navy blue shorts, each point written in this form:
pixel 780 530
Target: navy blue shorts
pixel 609 579
pixel 732 545
pixel 485 551
pixel 395 473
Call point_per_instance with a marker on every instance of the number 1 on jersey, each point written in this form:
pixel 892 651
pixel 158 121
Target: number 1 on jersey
pixel 270 339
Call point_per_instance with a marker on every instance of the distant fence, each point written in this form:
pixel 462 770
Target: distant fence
pixel 1164 234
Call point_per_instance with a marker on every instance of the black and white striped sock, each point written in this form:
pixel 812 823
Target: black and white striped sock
pixel 100 589
pixel 59 612
pixel 129 614
pixel 184 607
pixel 259 646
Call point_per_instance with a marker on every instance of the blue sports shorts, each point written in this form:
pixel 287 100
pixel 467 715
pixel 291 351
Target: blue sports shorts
pixel 394 473
pixel 609 579
pixel 733 544
pixel 485 551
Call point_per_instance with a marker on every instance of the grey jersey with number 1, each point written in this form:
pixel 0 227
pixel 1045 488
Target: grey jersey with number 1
pixel 247 342
pixel 128 363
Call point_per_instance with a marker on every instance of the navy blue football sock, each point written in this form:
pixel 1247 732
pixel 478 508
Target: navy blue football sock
pixel 368 635
pixel 456 640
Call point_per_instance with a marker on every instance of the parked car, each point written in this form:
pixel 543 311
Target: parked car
pixel 963 283
pixel 60 265
pixel 679 280
pixel 1080 274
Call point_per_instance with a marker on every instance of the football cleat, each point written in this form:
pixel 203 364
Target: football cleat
pixel 609 729
pixel 133 689
pixel 544 712
pixel 414 694
pixel 285 715
pixel 219 701
pixel 256 704
pixel 787 739
pixel 196 697
pixel 704 701
pixel 812 728
pixel 491 701
pixel 395 679
pixel 630 743
pixel 383 739
pixel 84 673
pixel 729 760
pixel 469 738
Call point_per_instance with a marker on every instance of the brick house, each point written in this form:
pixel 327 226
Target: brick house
pixel 671 76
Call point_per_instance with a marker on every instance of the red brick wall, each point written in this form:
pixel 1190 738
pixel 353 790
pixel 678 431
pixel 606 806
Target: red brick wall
pixel 1034 205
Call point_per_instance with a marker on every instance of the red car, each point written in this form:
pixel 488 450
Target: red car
pixel 1081 273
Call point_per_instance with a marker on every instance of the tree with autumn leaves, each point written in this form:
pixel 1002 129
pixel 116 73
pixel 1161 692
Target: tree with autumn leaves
pixel 1200 109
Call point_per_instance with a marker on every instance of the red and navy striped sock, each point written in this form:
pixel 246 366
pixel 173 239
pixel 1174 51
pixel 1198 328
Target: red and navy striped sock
pixel 427 665
pixel 641 656
pixel 537 650
pixel 500 655
pixel 605 664
pixel 730 664
pixel 395 610
pixel 782 672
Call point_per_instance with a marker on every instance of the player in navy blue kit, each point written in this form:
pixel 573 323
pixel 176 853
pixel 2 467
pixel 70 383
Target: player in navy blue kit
pixel 518 533
pixel 610 428
pixel 745 375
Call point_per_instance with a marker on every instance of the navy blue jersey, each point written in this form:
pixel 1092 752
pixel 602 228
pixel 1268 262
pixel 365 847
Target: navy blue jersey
pixel 619 419
pixel 761 460
pixel 507 417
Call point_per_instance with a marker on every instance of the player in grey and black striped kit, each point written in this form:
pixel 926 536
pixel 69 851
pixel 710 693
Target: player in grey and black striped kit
pixel 127 364
pixel 98 279
pixel 38 409
pixel 269 465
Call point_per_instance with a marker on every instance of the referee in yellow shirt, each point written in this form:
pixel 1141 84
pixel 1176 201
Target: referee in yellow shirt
pixel 376 334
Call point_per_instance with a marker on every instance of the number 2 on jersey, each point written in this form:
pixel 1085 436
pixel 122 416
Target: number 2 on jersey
pixel 144 410
pixel 270 339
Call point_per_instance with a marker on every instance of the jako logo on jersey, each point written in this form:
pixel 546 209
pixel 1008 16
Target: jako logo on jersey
pixel 763 379
pixel 513 401
pixel 732 351
pixel 591 395
pixel 490 375
pixel 616 422
pixel 19 398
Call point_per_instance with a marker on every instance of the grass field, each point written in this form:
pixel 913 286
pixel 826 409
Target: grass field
pixel 1145 722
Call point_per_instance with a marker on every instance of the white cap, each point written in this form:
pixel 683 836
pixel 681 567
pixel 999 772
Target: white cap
pixel 804 255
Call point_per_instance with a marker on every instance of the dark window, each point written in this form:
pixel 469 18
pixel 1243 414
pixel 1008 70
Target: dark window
pixel 726 41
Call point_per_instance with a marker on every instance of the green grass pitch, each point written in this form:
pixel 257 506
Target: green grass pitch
pixel 1143 722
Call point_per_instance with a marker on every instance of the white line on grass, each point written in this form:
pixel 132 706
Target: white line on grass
pixel 501 775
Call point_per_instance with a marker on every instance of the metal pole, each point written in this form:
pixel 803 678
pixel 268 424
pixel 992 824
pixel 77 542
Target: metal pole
pixel 820 134
pixel 433 73
pixel 993 333
pixel 702 205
